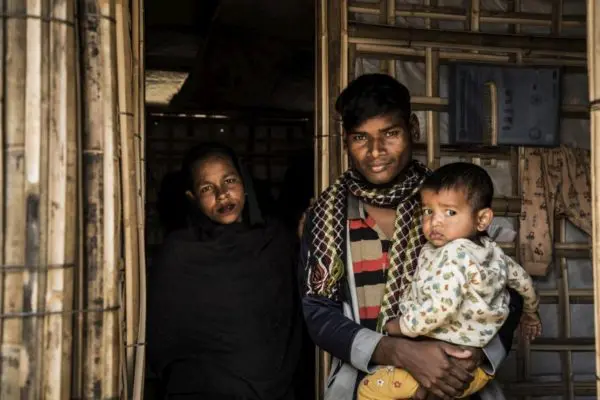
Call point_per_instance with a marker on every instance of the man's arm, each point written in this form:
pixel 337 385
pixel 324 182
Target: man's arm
pixel 327 325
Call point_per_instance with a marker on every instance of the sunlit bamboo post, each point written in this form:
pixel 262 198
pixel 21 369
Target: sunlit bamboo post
pixel 593 50
pixel 62 201
pixel 100 197
pixel 129 183
pixel 331 52
pixel 140 162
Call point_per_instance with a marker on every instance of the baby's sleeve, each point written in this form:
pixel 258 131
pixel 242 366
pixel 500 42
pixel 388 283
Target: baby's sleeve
pixel 521 282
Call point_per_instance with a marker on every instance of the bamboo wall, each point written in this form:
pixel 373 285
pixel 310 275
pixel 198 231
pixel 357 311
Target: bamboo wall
pixel 414 41
pixel 70 113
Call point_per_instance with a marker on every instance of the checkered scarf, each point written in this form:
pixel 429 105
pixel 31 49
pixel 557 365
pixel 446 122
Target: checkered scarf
pixel 325 266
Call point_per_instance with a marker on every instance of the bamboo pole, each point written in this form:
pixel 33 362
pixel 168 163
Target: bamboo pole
pixel 331 35
pixel 21 178
pixel 79 272
pixel 101 356
pixel 129 183
pixel 62 200
pixel 593 49
pixel 3 187
pixel 365 33
pixel 448 13
pixel 432 118
pixel 140 162
pixel 564 306
pixel 389 17
pixel 345 71
pixel 322 100
pixel 406 53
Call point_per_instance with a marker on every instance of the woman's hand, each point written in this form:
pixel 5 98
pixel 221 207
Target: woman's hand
pixel 431 363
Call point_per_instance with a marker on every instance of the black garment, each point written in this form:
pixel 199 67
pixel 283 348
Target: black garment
pixel 223 315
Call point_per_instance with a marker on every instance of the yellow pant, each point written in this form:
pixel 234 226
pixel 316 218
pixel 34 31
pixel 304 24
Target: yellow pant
pixel 391 383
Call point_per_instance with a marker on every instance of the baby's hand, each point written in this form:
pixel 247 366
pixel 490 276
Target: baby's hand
pixel 392 327
pixel 531 326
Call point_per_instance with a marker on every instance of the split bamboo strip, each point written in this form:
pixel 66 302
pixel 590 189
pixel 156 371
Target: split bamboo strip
pixel 101 336
pixel 62 201
pixel 129 184
pixel 593 50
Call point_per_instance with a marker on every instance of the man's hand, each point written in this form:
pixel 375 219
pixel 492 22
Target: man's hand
pixel 469 364
pixel 428 362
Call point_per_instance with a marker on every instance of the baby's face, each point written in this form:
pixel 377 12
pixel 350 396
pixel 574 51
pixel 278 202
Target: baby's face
pixel 447 215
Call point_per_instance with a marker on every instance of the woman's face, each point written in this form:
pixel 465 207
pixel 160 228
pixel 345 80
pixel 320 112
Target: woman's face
pixel 218 189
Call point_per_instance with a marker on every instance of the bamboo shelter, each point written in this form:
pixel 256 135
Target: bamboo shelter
pixel 415 43
pixel 71 287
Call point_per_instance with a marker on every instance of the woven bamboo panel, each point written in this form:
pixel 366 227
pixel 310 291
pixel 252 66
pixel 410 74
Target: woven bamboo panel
pixel 414 41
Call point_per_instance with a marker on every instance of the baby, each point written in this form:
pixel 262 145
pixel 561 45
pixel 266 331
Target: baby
pixel 459 290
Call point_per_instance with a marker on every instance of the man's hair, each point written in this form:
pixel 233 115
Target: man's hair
pixel 372 95
pixel 471 178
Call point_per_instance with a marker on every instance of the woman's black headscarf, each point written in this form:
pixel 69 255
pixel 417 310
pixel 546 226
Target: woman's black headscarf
pixel 223 322
pixel 251 215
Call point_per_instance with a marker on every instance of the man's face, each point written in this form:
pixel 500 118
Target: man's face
pixel 380 148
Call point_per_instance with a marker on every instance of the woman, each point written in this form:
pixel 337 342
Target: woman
pixel 223 322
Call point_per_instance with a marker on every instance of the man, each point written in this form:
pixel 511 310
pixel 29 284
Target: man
pixel 360 246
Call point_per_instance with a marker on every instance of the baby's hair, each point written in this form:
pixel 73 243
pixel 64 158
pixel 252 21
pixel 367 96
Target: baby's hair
pixel 471 178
